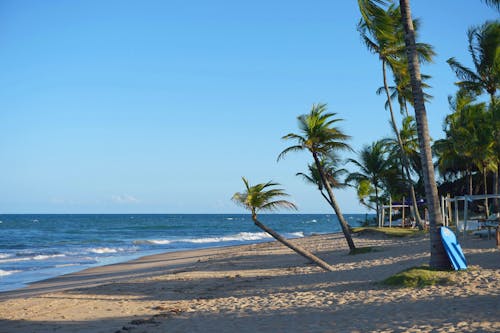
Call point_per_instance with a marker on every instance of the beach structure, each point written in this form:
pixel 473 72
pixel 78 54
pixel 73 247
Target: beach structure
pixel 396 206
pixel 451 204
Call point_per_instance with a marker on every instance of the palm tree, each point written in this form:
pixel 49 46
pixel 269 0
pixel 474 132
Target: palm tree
pixel 332 173
pixel 493 3
pixel 266 197
pixel 382 32
pixel 484 48
pixel 320 137
pixel 374 167
pixel 484 45
pixel 438 258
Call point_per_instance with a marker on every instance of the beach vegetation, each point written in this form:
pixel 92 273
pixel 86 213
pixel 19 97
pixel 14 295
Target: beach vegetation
pixel 269 197
pixel 389 232
pixel 419 277
pixel 484 78
pixel 320 136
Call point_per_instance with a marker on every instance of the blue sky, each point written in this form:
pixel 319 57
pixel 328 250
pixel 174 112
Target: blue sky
pixel 161 106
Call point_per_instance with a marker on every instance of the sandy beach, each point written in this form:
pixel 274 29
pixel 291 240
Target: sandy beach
pixel 265 288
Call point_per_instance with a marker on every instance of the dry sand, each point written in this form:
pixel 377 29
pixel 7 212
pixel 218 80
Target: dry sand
pixel 264 288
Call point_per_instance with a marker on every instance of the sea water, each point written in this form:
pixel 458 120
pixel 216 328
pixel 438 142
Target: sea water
pixel 38 247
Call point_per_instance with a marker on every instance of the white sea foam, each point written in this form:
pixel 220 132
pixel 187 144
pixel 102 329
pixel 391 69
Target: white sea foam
pixel 152 242
pixel 46 256
pixel 297 234
pixel 4 261
pixel 5 273
pixel 66 265
pixel 101 250
pixel 242 236
pixel 5 255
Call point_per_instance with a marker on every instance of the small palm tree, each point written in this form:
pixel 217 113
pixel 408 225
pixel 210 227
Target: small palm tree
pixel 373 166
pixel 320 137
pixel 332 174
pixel 266 197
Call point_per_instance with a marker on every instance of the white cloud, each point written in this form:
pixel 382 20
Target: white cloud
pixel 124 199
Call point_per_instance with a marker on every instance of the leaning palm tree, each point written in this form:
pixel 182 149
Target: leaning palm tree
pixel 320 137
pixel 438 258
pixel 266 197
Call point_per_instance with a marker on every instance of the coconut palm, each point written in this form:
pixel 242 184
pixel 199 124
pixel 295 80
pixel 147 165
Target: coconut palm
pixel 484 47
pixel 320 137
pixel 266 197
pixel 493 3
pixel 373 166
pixel 382 32
pixel 438 258
pixel 332 173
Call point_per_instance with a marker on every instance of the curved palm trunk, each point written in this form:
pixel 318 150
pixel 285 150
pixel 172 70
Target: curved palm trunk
pixel 438 258
pixel 404 158
pixel 333 203
pixel 298 249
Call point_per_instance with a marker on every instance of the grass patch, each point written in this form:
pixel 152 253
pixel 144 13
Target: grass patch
pixel 391 232
pixel 419 277
pixel 361 250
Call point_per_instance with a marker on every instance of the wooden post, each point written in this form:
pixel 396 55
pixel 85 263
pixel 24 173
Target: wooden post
pixel 448 205
pixel 466 208
pixel 455 201
pixel 383 217
pixel 498 236
pixel 390 212
pixel 403 214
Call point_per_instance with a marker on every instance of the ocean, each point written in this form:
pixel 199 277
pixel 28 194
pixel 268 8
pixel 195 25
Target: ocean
pixel 38 247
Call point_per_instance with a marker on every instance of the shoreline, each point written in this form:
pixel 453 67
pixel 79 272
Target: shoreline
pixel 264 287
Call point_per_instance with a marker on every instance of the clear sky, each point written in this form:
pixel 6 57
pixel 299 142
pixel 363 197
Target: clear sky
pixel 161 106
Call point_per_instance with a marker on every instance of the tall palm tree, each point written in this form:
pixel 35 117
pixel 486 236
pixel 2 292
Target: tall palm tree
pixel 382 32
pixel 484 48
pixel 438 258
pixel 266 197
pixel 320 137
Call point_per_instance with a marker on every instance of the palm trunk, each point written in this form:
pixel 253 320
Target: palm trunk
pixel 438 258
pixel 333 203
pixel 404 158
pixel 378 207
pixel 496 188
pixel 485 178
pixel 469 178
pixel 298 249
